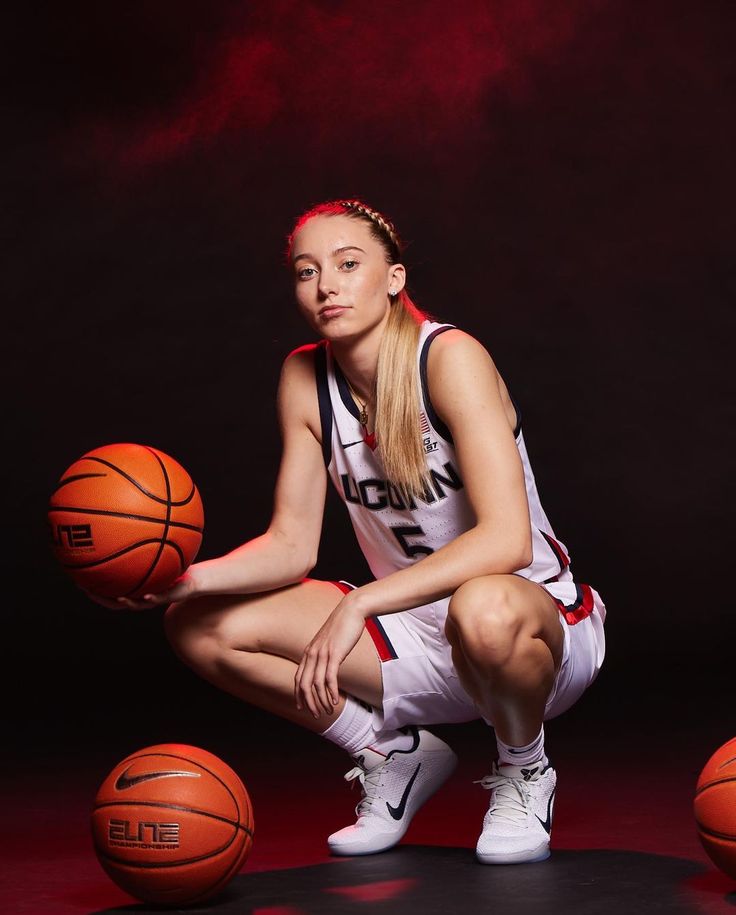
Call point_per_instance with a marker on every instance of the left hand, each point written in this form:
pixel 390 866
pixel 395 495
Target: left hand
pixel 315 682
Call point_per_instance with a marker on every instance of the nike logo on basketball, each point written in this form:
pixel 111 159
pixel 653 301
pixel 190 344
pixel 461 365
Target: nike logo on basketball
pixel 124 782
pixel 547 824
pixel 398 812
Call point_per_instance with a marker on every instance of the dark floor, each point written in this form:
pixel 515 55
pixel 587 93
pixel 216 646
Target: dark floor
pixel 624 838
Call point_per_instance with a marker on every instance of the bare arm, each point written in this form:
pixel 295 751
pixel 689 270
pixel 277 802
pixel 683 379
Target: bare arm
pixel 466 394
pixel 287 551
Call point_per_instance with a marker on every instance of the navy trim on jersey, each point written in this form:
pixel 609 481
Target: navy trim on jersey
pixel 560 556
pixel 517 428
pixel 439 427
pixel 342 386
pixel 323 397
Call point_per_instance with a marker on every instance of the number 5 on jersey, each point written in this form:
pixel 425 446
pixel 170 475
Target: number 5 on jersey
pixel 412 550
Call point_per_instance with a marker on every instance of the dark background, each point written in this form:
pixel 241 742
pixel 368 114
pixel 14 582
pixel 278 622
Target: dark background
pixel 563 176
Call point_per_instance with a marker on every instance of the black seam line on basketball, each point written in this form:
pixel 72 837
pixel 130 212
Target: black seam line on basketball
pixel 145 865
pixel 100 511
pixel 717 781
pixel 128 549
pixel 209 772
pixel 156 558
pixel 727 762
pixel 138 485
pixel 77 476
pixel 712 833
pixel 189 809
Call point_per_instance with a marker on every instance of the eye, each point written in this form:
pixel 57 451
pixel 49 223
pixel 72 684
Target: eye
pixel 349 264
pixel 306 273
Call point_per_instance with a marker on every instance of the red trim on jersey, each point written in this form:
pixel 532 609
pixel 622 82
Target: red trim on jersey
pixel 370 439
pixel 386 651
pixel 581 608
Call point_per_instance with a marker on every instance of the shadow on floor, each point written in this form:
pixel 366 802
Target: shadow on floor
pixel 431 879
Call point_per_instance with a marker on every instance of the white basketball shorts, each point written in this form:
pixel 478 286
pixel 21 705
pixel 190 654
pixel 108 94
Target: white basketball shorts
pixel 421 685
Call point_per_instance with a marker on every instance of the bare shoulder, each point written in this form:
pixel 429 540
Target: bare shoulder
pixel 454 348
pixel 298 388
pixel 459 364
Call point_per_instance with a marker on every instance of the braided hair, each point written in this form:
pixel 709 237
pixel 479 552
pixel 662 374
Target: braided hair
pixel 397 384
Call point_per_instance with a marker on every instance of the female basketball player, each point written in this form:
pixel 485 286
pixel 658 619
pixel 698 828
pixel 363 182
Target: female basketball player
pixel 473 611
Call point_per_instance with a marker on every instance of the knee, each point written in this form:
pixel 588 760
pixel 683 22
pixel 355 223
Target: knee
pixel 485 619
pixel 198 631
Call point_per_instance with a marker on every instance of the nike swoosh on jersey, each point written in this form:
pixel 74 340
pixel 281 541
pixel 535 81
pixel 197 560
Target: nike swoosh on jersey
pixel 547 824
pixel 124 782
pixel 350 444
pixel 398 812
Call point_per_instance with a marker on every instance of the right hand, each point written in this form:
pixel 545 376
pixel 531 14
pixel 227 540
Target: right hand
pixel 182 589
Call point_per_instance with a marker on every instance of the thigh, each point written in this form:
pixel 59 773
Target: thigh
pixel 282 623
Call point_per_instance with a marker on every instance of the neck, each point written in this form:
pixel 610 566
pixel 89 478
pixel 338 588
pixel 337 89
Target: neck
pixel 358 360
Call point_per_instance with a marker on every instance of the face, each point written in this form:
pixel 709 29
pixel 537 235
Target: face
pixel 341 277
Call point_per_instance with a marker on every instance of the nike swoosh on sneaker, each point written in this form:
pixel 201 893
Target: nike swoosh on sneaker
pixel 398 812
pixel 547 824
pixel 124 782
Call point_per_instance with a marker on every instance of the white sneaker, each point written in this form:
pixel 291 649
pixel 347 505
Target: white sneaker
pixel 394 788
pixel 518 824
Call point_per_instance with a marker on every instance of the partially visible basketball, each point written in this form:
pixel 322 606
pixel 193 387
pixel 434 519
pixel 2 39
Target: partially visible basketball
pixel 172 824
pixel 126 520
pixel 715 808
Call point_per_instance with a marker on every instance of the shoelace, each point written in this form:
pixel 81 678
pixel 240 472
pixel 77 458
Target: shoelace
pixel 510 800
pixel 370 781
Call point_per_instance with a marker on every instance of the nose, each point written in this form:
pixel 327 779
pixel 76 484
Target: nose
pixel 328 284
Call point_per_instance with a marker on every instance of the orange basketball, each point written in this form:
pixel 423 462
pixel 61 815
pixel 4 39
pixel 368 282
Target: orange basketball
pixel 715 808
pixel 172 824
pixel 126 520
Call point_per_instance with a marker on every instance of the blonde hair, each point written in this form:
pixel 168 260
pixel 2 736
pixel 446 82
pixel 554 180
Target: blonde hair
pixel 397 382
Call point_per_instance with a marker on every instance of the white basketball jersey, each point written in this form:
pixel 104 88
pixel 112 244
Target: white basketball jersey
pixel 395 531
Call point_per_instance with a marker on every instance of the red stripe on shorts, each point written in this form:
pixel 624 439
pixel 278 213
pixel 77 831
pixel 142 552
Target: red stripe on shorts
pixel 581 608
pixel 386 651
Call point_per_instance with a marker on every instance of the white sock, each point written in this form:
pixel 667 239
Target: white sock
pixel 353 730
pixel 522 756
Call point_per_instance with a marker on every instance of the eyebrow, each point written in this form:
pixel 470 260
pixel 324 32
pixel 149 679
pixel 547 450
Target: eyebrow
pixel 337 251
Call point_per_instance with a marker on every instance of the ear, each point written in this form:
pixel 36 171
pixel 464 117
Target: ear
pixel 396 278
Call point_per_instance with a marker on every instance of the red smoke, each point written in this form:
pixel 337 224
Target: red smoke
pixel 377 72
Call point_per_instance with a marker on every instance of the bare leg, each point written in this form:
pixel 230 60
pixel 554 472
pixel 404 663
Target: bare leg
pixel 506 646
pixel 251 645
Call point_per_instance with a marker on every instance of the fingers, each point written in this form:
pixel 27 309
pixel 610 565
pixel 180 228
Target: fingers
pixel 310 683
pixel 319 685
pixel 125 603
pixel 303 682
pixel 331 682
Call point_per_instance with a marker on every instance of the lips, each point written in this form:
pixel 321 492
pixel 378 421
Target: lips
pixel 331 311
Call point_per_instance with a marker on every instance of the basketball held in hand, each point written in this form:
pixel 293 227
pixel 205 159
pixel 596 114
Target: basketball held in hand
pixel 172 824
pixel 126 520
